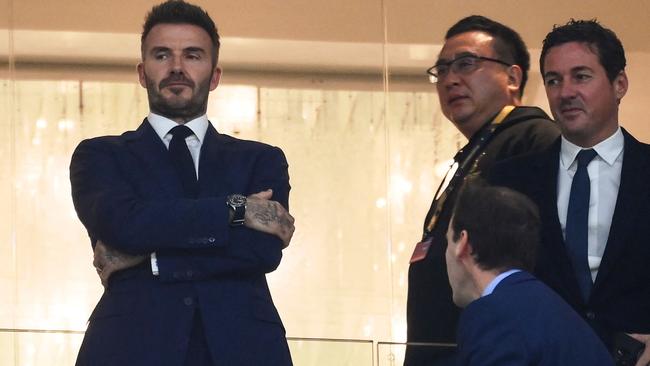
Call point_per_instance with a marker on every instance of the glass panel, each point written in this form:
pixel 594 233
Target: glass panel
pixel 422 141
pixel 39 348
pixel 312 86
pixel 52 265
pixel 324 352
pixel 36 348
pixel 7 153
pixel 7 348
pixel 392 354
pixel 338 261
pixel 421 145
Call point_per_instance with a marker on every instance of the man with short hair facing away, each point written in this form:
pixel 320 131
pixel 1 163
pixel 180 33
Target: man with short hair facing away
pixel 510 317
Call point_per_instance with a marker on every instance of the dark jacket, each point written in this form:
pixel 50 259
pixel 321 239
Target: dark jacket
pixel 431 313
pixel 127 194
pixel 620 297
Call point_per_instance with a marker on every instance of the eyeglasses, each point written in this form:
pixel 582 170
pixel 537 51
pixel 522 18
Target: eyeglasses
pixel 463 65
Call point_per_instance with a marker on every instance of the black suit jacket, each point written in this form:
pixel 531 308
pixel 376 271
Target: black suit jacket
pixel 431 313
pixel 127 193
pixel 620 297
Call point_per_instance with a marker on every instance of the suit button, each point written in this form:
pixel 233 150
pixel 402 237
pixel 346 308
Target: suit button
pixel 590 315
pixel 188 301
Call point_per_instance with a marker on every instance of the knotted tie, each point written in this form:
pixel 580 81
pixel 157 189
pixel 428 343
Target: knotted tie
pixel 577 225
pixel 182 160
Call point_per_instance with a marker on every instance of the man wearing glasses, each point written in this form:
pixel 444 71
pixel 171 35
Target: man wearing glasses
pixel 480 76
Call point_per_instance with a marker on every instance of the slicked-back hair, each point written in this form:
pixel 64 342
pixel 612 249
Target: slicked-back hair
pixel 503 226
pixel 602 41
pixel 180 12
pixel 508 44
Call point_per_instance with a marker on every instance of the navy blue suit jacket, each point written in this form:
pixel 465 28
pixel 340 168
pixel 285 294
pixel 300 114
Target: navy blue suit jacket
pixel 620 297
pixel 127 194
pixel 523 322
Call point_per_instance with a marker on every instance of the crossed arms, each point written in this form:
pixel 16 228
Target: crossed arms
pixel 129 216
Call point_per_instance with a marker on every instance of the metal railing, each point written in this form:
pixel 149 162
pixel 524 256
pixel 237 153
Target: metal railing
pixel 58 347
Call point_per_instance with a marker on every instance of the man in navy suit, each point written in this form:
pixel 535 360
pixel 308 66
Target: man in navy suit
pixel 601 266
pixel 510 317
pixel 181 218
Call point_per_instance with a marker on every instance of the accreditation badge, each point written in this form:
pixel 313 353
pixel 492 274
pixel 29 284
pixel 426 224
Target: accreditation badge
pixel 421 250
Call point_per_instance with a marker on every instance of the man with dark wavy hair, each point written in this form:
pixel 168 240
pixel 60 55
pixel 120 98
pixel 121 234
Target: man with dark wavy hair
pixel 480 77
pixel 181 218
pixel 591 187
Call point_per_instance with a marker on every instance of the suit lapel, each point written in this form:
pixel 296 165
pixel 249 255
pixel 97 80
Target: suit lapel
pixel 554 252
pixel 635 163
pixel 547 165
pixel 145 144
pixel 213 172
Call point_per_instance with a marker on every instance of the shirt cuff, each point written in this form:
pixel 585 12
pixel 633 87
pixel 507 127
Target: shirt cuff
pixel 154 264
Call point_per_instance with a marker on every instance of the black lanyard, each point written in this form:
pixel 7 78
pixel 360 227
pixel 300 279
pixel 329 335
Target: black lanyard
pixel 465 167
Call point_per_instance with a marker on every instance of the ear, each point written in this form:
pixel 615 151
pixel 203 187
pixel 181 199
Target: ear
pixel 463 248
pixel 141 75
pixel 216 77
pixel 515 76
pixel 620 84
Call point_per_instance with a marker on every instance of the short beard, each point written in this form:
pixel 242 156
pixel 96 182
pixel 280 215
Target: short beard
pixel 185 110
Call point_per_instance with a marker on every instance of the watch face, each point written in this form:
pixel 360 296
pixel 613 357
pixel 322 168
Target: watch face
pixel 237 200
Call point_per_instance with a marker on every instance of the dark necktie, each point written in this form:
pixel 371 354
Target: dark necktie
pixel 182 160
pixel 577 223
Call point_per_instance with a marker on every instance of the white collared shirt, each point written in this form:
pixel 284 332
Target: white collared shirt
pixel 605 177
pixel 162 126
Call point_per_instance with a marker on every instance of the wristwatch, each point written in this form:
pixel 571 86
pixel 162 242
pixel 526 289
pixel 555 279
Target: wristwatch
pixel 237 205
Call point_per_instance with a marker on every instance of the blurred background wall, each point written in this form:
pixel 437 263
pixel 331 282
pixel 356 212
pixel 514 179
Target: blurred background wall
pixel 340 86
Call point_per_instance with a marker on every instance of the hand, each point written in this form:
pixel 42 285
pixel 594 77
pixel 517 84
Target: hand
pixel 268 216
pixel 644 360
pixel 108 260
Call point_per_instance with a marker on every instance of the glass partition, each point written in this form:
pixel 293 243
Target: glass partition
pixel 392 353
pixel 53 348
pixel 341 88
pixel 7 168
pixel 328 352
pixel 39 348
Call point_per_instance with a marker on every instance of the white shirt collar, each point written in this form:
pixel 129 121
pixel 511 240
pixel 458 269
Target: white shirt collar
pixel 608 150
pixel 162 125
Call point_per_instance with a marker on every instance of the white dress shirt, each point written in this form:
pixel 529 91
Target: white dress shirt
pixel 605 177
pixel 162 126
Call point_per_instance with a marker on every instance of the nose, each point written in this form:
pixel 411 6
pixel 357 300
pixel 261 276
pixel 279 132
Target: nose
pixel 567 90
pixel 450 80
pixel 177 65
